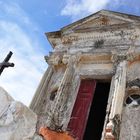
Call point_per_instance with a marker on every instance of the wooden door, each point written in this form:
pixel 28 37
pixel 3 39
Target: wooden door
pixel 81 108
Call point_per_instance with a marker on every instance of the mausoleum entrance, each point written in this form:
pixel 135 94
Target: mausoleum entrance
pixel 97 113
pixel 88 116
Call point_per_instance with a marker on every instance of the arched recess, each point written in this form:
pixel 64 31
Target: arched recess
pixel 53 93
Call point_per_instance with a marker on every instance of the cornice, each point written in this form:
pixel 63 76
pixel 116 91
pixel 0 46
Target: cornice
pixel 100 57
pixel 107 33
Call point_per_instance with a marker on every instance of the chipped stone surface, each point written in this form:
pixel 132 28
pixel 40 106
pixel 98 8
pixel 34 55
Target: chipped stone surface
pixel 133 71
pixel 5 100
pixel 17 122
pixel 130 126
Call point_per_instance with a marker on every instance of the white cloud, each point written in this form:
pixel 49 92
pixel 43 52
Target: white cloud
pixel 79 8
pixel 22 80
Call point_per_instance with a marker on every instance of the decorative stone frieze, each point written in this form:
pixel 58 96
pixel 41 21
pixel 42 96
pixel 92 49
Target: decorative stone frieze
pixel 118 36
pixel 69 39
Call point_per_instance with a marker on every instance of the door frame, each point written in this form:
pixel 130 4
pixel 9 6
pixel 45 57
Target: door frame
pixel 101 77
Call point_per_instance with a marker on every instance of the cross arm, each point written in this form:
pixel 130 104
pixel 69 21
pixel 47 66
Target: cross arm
pixel 8 57
pixel 6 64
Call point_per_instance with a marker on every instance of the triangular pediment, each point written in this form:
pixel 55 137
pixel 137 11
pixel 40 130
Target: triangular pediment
pixel 101 19
pixel 96 25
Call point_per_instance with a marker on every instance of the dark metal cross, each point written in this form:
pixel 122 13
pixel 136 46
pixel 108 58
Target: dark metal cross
pixel 5 62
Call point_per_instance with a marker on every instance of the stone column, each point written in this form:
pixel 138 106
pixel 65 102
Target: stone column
pixel 112 128
pixel 59 111
pixel 37 100
pixel 119 92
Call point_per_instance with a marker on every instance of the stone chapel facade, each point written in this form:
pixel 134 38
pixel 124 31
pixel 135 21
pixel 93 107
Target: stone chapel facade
pixel 91 88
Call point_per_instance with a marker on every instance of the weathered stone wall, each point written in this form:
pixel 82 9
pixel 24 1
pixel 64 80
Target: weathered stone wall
pixel 53 86
pixel 130 125
pixel 133 71
pixel 48 100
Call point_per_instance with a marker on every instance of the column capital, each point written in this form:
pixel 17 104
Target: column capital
pixel 67 58
pixel 129 55
pixel 116 57
pixel 62 59
pixel 53 59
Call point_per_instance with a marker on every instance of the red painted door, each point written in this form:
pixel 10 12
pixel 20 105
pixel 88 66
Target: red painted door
pixel 81 108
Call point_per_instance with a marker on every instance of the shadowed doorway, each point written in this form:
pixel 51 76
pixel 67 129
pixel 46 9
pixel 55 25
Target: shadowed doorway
pixel 97 113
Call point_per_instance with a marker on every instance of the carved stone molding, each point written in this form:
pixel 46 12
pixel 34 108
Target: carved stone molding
pixel 69 39
pixel 65 59
pixel 122 34
pixel 129 56
pixel 53 59
pixel 113 129
pixel 109 131
pixel 60 59
pixel 116 58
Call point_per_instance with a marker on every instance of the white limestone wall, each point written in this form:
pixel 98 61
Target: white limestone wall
pixel 17 122
pixel 130 126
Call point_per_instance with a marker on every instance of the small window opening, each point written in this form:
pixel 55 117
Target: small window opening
pixel 133 100
pixel 53 95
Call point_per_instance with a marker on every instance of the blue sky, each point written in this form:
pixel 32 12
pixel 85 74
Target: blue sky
pixel 22 27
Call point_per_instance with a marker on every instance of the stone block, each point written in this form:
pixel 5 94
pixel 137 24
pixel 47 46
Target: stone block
pixel 17 122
